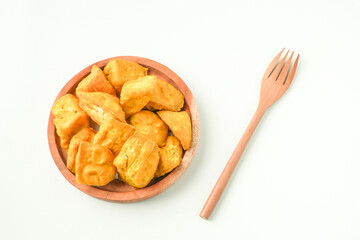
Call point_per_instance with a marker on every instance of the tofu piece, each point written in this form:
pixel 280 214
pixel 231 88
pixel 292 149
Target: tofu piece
pixel 119 71
pixel 136 94
pixel 137 160
pixel 170 156
pixel 84 135
pixel 100 106
pixel 69 118
pixel 94 165
pixel 150 125
pixel 179 124
pixel 165 97
pixel 113 134
pixel 95 82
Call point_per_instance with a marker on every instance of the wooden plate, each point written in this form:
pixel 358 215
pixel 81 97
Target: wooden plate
pixel 116 190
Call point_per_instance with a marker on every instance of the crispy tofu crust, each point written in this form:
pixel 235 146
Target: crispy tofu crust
pixel 113 134
pixel 150 125
pixel 165 97
pixel 94 165
pixel 180 125
pixel 95 82
pixel 170 156
pixel 119 71
pixel 137 160
pixel 84 135
pixel 100 106
pixel 69 118
pixel 136 94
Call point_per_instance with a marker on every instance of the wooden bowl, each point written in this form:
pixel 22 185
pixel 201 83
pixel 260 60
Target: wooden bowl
pixel 116 190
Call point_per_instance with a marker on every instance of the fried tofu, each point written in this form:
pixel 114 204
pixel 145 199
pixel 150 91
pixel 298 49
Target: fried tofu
pixel 165 97
pixel 138 160
pixel 150 125
pixel 113 134
pixel 100 106
pixel 69 118
pixel 94 165
pixel 119 71
pixel 136 94
pixel 180 125
pixel 170 156
pixel 84 135
pixel 95 82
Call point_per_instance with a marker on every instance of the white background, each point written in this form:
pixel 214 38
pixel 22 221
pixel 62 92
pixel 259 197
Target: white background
pixel 300 175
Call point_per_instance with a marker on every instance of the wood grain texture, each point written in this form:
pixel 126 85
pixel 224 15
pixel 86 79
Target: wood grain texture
pixel 117 191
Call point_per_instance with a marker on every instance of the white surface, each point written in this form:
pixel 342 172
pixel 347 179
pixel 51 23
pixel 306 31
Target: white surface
pixel 299 177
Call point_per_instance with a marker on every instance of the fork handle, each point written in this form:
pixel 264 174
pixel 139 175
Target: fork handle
pixel 230 166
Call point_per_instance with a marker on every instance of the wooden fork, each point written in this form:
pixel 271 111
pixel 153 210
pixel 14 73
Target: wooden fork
pixel 276 80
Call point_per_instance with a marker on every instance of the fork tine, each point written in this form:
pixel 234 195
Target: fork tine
pixel 272 64
pixel 292 72
pixel 285 70
pixel 278 68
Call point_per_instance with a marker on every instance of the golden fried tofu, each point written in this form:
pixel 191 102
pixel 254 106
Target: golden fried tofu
pixel 119 71
pixel 95 82
pixel 85 134
pixel 137 160
pixel 170 156
pixel 113 134
pixel 179 124
pixel 136 94
pixel 150 125
pixel 94 165
pixel 166 97
pixel 99 106
pixel 69 118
